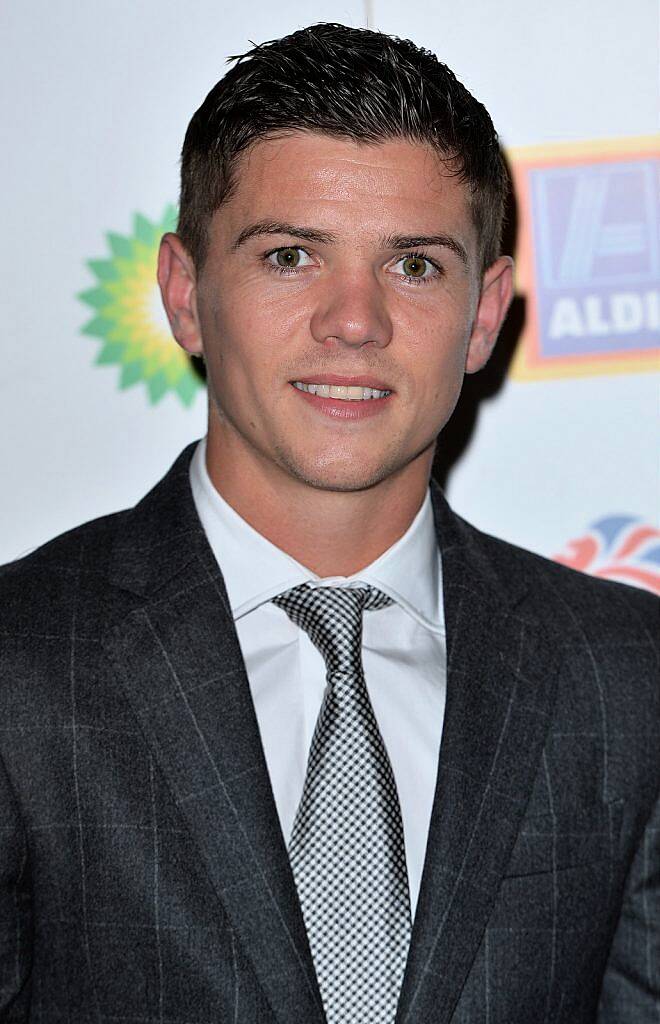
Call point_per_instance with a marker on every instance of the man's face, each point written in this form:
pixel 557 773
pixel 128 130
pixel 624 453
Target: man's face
pixel 345 262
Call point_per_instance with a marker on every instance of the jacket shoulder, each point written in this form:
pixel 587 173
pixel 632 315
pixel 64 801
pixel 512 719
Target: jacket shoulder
pixel 40 590
pixel 73 582
pixel 577 601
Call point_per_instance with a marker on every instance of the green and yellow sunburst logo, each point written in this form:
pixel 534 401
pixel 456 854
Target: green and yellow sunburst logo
pixel 129 318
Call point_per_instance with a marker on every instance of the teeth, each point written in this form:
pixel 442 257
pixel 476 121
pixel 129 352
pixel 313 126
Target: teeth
pixel 349 393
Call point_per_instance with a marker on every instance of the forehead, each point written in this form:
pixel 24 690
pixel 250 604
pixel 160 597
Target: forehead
pixel 347 186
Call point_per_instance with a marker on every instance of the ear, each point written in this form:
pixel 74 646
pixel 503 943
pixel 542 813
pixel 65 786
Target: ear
pixel 178 287
pixel 494 301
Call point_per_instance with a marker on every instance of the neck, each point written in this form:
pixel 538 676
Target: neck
pixel 332 533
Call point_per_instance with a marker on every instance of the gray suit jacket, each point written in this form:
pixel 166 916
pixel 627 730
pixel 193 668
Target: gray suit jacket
pixel 143 873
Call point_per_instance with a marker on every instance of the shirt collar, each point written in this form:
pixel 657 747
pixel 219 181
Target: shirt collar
pixel 255 570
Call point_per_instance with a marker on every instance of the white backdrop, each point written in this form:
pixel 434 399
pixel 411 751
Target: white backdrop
pixel 96 98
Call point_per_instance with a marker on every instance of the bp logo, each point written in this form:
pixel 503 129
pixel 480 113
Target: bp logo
pixel 128 318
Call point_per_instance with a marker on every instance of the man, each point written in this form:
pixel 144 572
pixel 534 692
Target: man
pixel 290 741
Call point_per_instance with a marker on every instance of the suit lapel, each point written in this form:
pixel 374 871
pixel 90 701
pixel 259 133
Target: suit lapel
pixel 178 656
pixel 501 673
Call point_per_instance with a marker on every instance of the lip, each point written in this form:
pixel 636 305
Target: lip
pixel 333 378
pixel 338 409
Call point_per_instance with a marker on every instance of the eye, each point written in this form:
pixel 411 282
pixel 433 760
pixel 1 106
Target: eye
pixel 417 268
pixel 288 258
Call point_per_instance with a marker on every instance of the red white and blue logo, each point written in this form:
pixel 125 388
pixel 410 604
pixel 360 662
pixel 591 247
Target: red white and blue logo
pixel 622 548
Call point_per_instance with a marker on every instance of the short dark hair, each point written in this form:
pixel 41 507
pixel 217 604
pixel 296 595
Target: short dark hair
pixel 345 82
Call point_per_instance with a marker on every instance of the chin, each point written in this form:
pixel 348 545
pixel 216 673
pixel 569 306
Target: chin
pixel 337 475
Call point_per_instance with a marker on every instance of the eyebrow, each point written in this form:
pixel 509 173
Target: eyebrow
pixel 276 227
pixel 422 241
pixel 399 242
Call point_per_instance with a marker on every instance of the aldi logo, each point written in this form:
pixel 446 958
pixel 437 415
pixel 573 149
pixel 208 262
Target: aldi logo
pixel 589 258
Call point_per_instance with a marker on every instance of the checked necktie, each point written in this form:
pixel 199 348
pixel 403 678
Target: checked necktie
pixel 346 850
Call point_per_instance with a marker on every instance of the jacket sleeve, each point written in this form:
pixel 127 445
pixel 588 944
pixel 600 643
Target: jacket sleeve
pixel 15 910
pixel 631 985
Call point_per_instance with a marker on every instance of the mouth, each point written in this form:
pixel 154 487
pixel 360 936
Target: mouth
pixel 344 389
pixel 345 398
pixel 342 392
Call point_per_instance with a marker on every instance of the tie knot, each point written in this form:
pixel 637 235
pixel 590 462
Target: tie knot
pixel 332 618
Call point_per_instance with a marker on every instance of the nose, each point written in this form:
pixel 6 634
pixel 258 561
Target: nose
pixel 351 310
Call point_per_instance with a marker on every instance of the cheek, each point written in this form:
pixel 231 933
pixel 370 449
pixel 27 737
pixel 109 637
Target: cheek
pixel 255 328
pixel 436 350
pixel 246 363
pixel 231 334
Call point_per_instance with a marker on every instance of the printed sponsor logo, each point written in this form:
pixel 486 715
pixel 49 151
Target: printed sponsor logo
pixel 622 548
pixel 589 258
pixel 129 319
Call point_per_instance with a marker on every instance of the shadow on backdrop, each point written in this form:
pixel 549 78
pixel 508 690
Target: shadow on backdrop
pixel 479 387
pixel 198 367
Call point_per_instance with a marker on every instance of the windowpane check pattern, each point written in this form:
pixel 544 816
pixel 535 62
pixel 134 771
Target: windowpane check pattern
pixel 346 849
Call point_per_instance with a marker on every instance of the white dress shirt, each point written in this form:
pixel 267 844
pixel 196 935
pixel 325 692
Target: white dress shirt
pixel 404 656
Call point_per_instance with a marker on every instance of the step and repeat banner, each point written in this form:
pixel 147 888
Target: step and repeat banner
pixel 557 451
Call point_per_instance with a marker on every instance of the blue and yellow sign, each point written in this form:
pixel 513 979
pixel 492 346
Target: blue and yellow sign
pixel 589 257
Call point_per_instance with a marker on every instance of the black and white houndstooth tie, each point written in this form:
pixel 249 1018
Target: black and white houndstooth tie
pixel 346 850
